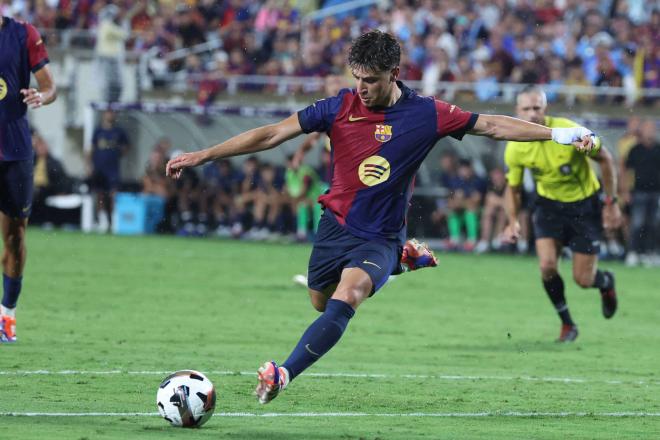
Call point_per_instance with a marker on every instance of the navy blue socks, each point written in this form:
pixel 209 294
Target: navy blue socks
pixel 12 288
pixel 319 337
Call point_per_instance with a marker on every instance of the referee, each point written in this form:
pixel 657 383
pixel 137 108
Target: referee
pixel 571 207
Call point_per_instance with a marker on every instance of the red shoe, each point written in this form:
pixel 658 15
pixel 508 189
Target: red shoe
pixel 7 329
pixel 569 333
pixel 417 255
pixel 272 379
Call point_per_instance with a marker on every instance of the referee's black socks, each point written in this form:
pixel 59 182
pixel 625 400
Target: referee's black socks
pixel 555 289
pixel 603 280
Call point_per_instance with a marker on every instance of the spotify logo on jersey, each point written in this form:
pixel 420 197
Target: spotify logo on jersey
pixel 3 89
pixel 374 170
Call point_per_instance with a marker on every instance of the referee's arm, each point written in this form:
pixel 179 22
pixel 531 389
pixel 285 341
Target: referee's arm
pixel 611 211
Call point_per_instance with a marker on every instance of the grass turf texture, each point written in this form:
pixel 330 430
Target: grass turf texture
pixel 148 304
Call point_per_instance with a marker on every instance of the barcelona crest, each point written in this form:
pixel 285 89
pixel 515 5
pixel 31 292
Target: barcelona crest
pixel 383 133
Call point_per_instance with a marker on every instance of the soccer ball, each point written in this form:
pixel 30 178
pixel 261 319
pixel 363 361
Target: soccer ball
pixel 186 398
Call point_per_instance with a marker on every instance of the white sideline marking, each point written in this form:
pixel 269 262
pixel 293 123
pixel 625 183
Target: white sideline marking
pixel 347 375
pixel 351 414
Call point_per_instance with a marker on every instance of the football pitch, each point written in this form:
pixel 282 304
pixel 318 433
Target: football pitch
pixel 461 351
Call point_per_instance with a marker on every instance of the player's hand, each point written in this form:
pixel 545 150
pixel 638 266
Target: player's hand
pixel 611 217
pixel 586 144
pixel 581 138
pixel 175 166
pixel 511 233
pixel 32 97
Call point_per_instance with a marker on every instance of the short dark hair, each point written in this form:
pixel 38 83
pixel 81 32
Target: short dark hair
pixel 375 51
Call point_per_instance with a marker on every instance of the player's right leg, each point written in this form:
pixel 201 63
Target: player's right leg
pixel 13 261
pixel 355 286
pixel 548 250
pixel 364 267
pixel 16 184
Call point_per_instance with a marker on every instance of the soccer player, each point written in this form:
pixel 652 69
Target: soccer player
pixel 568 207
pixel 380 132
pixel 21 51
pixel 109 144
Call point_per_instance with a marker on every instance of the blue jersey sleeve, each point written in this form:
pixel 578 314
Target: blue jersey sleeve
pixel 320 115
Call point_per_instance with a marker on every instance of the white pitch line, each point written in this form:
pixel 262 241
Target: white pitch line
pixel 344 375
pixel 354 414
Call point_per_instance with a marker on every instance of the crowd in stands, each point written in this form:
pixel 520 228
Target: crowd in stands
pixel 555 42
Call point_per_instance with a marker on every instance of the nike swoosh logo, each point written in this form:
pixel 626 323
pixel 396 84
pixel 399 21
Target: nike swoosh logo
pixel 373 264
pixel 352 118
pixel 310 350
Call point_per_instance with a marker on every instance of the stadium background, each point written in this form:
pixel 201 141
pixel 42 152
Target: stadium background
pixel 196 73
pixel 104 318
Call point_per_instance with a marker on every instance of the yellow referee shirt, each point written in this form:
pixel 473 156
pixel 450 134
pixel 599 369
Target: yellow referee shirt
pixel 560 171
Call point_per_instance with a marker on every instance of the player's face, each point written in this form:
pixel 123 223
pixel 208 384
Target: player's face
pixel 374 88
pixel 531 107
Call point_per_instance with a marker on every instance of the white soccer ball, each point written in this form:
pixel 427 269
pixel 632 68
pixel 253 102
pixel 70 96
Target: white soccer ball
pixel 186 398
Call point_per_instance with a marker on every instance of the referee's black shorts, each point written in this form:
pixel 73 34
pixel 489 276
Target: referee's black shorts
pixel 578 225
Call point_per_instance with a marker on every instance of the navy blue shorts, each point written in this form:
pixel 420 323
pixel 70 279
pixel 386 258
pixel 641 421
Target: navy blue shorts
pixel 16 184
pixel 104 180
pixel 578 225
pixel 336 249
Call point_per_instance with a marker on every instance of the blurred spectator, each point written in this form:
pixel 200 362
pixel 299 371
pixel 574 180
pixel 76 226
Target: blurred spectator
pixel 461 208
pixel 304 186
pixel 154 180
pixel 49 179
pixel 493 217
pixel 188 194
pixel 268 204
pixel 221 183
pixel 109 143
pixel 248 193
pixel 466 194
pixel 644 161
pixel 447 179
pixel 110 43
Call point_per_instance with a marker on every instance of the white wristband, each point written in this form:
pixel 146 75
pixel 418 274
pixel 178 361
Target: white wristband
pixel 569 135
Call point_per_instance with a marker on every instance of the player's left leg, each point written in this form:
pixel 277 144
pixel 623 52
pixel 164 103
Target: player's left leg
pixel 13 261
pixel 354 287
pixel 587 275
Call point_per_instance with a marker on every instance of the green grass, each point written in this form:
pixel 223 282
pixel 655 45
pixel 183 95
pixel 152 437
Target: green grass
pixel 150 304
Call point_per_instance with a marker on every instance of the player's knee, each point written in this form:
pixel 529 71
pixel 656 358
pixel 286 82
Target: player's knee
pixel 318 303
pixel 584 280
pixel 352 295
pixel 14 240
pixel 548 268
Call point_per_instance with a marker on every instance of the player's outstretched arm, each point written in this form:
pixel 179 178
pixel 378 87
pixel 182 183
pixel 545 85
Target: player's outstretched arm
pixel 502 127
pixel 251 141
pixel 46 93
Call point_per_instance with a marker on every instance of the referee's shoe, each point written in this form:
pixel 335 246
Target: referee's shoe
pixel 608 297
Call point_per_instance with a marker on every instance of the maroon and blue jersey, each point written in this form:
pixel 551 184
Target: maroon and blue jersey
pixel 21 51
pixel 376 154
